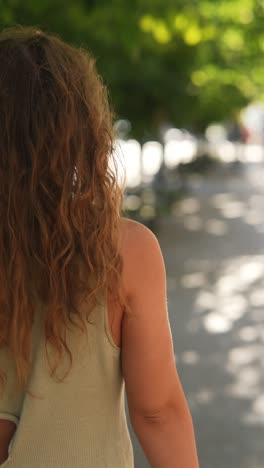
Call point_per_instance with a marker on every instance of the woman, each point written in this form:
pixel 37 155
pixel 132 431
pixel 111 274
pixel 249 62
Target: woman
pixel 83 290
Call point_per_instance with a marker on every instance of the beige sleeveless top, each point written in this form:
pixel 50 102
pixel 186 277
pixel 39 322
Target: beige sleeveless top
pixel 80 422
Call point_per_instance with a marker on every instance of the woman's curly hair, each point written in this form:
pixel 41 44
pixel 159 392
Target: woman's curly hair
pixel 60 197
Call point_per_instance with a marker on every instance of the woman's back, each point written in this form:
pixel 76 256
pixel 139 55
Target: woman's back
pixel 86 411
pixel 78 422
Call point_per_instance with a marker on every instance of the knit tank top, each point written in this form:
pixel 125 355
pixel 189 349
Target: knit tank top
pixel 80 422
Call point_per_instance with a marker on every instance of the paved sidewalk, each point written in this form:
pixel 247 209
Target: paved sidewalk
pixel 213 246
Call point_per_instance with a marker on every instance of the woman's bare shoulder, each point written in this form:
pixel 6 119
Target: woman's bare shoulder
pixel 128 224
pixel 139 244
pixel 133 231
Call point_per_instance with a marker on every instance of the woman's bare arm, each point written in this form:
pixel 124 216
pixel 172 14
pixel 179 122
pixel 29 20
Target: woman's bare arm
pixel 158 408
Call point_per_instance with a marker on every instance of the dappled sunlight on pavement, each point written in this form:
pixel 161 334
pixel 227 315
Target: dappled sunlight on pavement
pixel 213 246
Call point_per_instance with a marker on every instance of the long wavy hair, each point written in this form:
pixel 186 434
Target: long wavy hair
pixel 60 196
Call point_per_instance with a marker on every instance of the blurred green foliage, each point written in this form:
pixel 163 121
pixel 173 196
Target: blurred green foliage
pixel 187 63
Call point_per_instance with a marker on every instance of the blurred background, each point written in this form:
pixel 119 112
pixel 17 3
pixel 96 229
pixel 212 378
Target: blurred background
pixel 186 83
